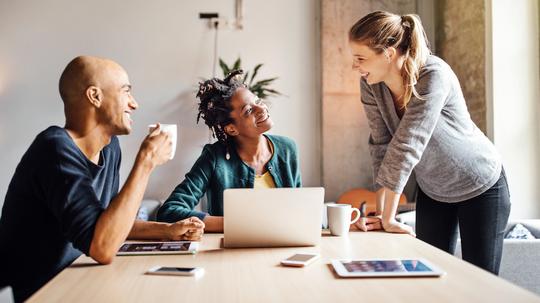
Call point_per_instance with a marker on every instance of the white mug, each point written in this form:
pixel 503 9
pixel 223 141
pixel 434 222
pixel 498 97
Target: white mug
pixel 339 218
pixel 325 214
pixel 171 129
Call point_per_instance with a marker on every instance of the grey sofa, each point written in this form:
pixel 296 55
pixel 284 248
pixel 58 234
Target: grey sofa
pixel 6 295
pixel 520 262
pixel 148 210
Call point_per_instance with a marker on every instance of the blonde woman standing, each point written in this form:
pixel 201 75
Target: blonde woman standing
pixel 420 124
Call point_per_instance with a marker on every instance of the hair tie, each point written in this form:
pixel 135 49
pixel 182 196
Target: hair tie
pixel 405 22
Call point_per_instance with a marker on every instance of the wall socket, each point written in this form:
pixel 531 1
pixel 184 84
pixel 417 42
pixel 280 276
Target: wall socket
pixel 215 22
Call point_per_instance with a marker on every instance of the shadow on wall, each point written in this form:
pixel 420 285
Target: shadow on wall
pixel 183 107
pixel 182 110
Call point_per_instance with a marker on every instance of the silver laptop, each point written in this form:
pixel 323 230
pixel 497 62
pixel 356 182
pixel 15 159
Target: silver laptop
pixel 272 217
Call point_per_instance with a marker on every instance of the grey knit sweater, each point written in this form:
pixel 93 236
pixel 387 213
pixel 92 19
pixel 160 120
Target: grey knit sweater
pixel 451 158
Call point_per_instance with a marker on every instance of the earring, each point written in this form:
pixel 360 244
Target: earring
pixel 227 155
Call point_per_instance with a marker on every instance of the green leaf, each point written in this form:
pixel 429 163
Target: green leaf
pixel 237 64
pixel 260 88
pixel 255 88
pixel 224 67
pixel 257 91
pixel 265 81
pixel 255 71
pixel 272 91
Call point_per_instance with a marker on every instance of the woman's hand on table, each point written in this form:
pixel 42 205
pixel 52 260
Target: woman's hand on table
pixel 369 223
pixel 393 226
pixel 190 229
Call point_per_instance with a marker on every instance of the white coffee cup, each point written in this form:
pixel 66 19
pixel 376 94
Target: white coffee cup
pixel 339 218
pixel 171 129
pixel 325 214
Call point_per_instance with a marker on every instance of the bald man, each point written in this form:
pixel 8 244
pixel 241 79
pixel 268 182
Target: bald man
pixel 63 199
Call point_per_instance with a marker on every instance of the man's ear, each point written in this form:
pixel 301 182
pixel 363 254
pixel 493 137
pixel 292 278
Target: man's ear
pixel 231 130
pixel 94 94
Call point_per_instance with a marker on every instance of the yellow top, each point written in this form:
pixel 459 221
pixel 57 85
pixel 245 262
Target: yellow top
pixel 264 181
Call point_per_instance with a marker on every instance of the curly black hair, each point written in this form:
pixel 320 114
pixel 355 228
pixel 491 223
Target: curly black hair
pixel 214 106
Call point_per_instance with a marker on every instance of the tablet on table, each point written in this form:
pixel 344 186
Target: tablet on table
pixel 158 248
pixel 386 268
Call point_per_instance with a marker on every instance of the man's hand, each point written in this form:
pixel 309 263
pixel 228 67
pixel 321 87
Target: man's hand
pixel 156 148
pixel 190 229
pixel 117 220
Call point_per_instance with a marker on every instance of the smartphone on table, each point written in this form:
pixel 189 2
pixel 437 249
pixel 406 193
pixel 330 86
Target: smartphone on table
pixel 175 271
pixel 300 260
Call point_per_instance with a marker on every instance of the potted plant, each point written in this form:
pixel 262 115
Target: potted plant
pixel 260 88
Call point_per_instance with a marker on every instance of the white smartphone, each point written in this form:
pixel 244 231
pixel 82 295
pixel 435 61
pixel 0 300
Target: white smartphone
pixel 175 271
pixel 300 260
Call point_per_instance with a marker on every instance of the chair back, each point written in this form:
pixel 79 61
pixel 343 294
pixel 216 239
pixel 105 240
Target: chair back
pixel 356 196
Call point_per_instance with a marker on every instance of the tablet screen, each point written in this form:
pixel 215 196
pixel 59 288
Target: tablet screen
pixel 386 266
pixel 155 247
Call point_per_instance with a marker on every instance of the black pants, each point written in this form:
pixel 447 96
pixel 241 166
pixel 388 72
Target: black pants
pixel 482 221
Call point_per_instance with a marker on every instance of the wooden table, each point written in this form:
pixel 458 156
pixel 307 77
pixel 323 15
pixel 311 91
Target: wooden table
pixel 255 275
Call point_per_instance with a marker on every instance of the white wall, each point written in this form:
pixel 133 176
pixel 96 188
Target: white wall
pixel 166 49
pixel 516 95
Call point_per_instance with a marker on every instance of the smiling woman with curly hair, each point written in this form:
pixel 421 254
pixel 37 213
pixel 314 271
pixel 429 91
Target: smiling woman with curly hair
pixel 243 157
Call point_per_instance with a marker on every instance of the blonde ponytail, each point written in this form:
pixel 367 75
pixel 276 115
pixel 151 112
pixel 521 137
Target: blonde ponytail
pixel 380 30
pixel 416 54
